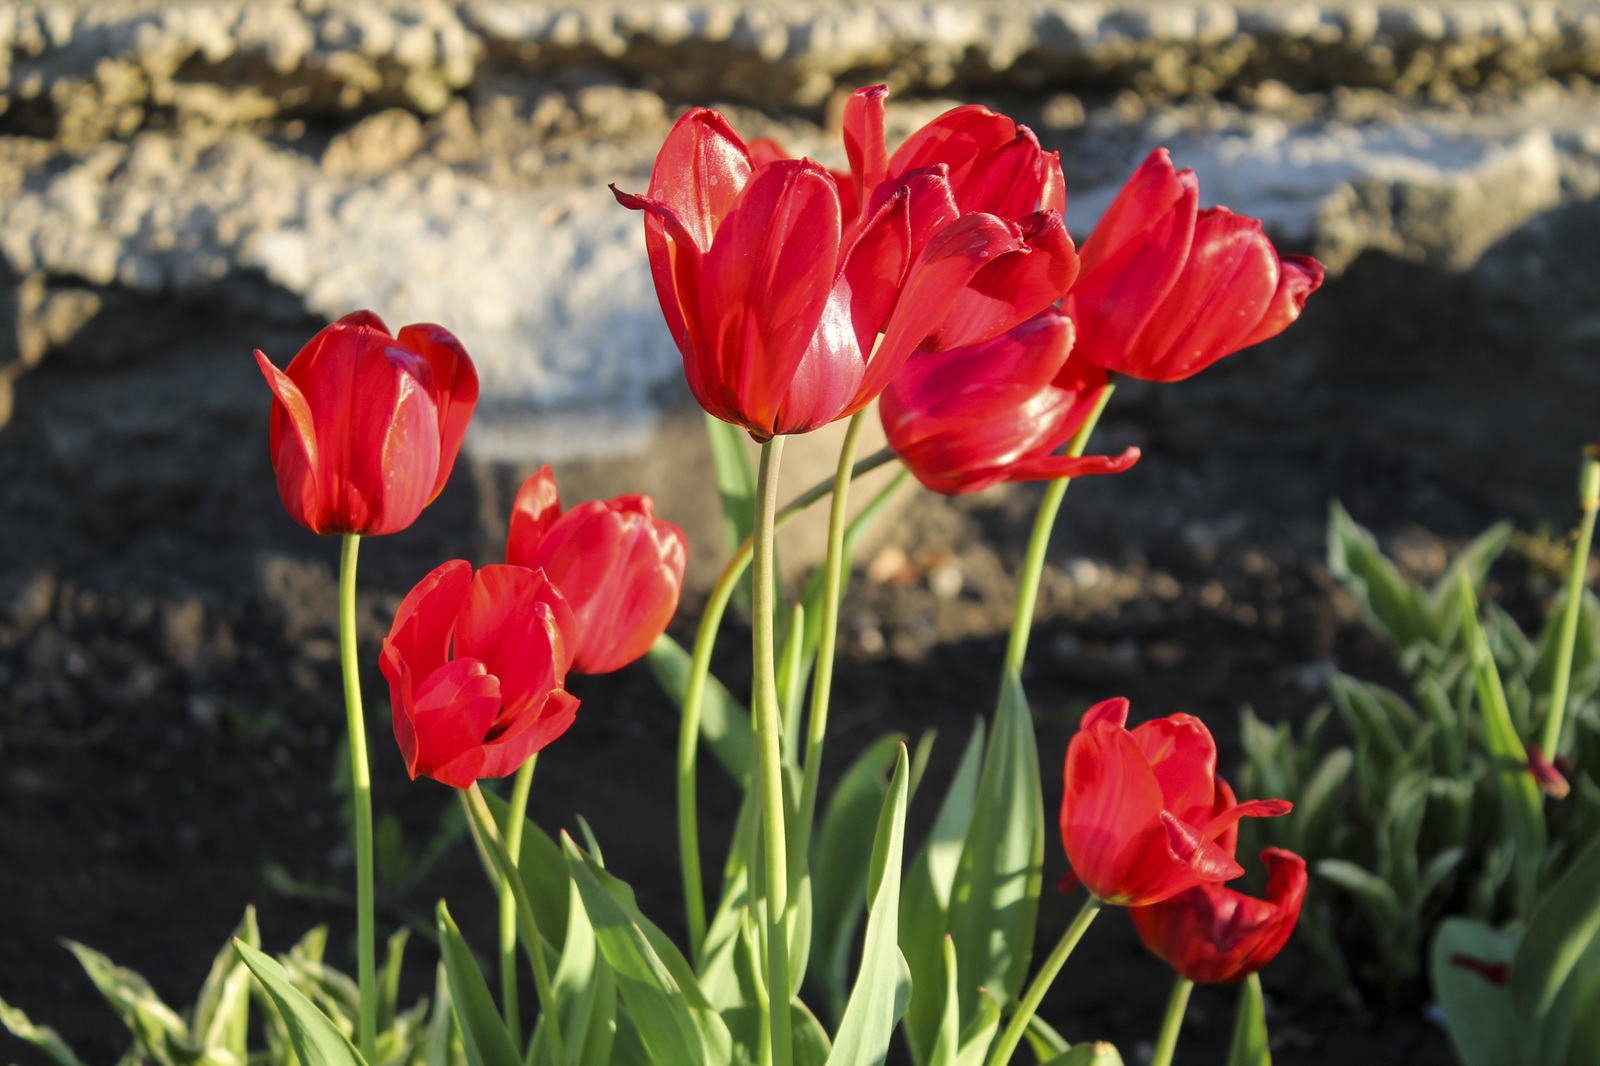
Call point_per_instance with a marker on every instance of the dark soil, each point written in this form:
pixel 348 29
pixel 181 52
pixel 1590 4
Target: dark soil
pixel 163 751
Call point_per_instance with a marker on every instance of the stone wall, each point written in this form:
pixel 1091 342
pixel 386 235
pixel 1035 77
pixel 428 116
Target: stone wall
pixel 183 182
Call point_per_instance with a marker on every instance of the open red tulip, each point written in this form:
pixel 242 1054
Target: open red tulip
pixel 1211 933
pixel 365 426
pixel 972 417
pixel 792 309
pixel 475 665
pixel 1167 289
pixel 1140 815
pixel 617 565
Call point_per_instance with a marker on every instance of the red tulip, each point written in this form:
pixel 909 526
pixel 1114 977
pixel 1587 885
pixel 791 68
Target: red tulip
pixel 1211 933
pixel 365 426
pixel 1548 776
pixel 968 161
pixel 777 298
pixel 1142 817
pixel 972 417
pixel 1167 289
pixel 476 665
pixel 617 565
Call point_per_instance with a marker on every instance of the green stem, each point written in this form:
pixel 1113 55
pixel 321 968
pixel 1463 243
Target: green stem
pixel 1033 562
pixel 1001 1053
pixel 768 729
pixel 360 801
pixel 1589 499
pixel 1167 1041
pixel 508 902
pixel 533 944
pixel 827 640
pixel 694 698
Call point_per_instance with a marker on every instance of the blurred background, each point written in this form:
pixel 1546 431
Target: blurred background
pixel 181 183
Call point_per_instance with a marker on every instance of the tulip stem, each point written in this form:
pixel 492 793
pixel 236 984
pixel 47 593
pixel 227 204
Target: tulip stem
pixel 827 640
pixel 1044 523
pixel 360 801
pixel 1167 1039
pixel 1589 500
pixel 533 943
pixel 768 730
pixel 1001 1054
pixel 508 902
pixel 694 698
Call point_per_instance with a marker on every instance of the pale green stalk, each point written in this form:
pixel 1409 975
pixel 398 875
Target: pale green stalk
pixel 1589 499
pixel 508 902
pixel 1039 542
pixel 828 635
pixel 768 730
pixel 1000 1054
pixel 1167 1040
pixel 694 697
pixel 478 810
pixel 360 802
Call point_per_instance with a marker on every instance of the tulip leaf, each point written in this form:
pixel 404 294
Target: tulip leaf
pixel 484 1035
pixel 883 985
pixel 1250 1027
pixel 792 674
pixel 317 1041
pixel 1480 1016
pixel 585 993
pixel 42 1037
pixel 1396 608
pixel 948 1044
pixel 441 1022
pixel 724 721
pixel 389 978
pixel 222 1011
pixel 736 485
pixel 544 875
pixel 673 1018
pixel 844 850
pixel 151 1021
pixel 1045 1041
pixel 1558 934
pixel 994 901
pixel 978 1034
pixel 926 897
pixel 1373 892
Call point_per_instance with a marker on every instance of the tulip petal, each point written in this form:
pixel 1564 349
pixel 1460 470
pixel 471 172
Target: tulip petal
pixel 295 464
pixel 1223 820
pixel 1298 277
pixel 962 138
pixel 1113 711
pixel 1010 183
pixel 863 139
pixel 534 511
pixel 509 621
pixel 1205 861
pixel 426 618
pixel 532 731
pixel 1051 467
pixel 1111 800
pixel 1183 756
pixel 1010 288
pixel 455 390
pixel 454 707
pixel 765 283
pixel 675 265
pixel 699 173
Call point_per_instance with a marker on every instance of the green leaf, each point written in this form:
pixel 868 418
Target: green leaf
pixel 844 851
pixel 925 900
pixel 441 1023
pixel 978 1034
pixel 1396 608
pixel 544 875
pixel 1045 1041
pixel 585 993
pixel 995 898
pixel 658 1004
pixel 389 980
pixel 42 1037
pixel 222 1010
pixel 883 985
pixel 792 674
pixel 736 484
pixel 811 1044
pixel 317 1041
pixel 948 1044
pixel 1473 563
pixel 1372 891
pixel 1098 1053
pixel 724 721
pixel 1558 934
pixel 483 1033
pixel 1250 1027
pixel 151 1021
pixel 1479 1015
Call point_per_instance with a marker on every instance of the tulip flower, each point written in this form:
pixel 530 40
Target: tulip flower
pixel 972 417
pixel 1211 933
pixel 476 664
pixel 1166 289
pixel 1142 816
pixel 790 312
pixel 365 426
pixel 618 566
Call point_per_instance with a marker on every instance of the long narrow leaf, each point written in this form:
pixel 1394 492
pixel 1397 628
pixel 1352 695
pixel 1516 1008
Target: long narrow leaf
pixel 317 1041
pixel 724 721
pixel 483 1034
pixel 1250 1027
pixel 1558 934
